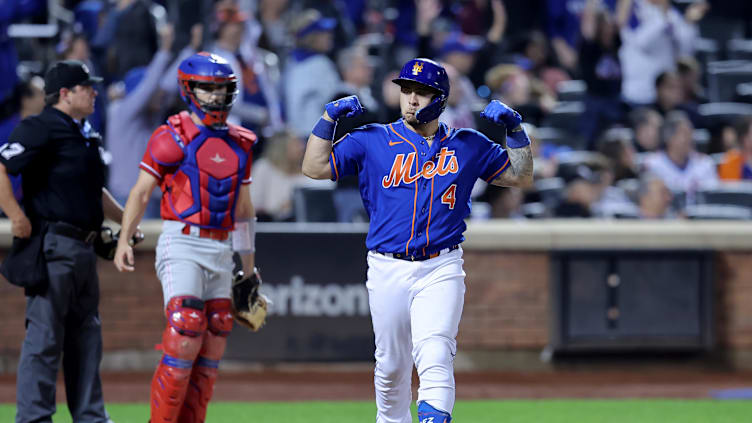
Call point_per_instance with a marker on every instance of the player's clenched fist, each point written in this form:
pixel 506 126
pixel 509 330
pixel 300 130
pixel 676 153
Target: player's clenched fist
pixel 500 113
pixel 344 107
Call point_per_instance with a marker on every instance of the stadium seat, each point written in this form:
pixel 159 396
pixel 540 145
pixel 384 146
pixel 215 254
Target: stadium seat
pixel 717 211
pixel 739 49
pixel 566 117
pixel 550 191
pixel 723 77
pixel 730 193
pixel 715 115
pixel 572 90
pixel 314 205
pixel 701 137
pixel 548 135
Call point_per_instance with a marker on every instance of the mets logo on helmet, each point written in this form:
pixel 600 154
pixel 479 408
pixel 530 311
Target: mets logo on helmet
pixel 417 68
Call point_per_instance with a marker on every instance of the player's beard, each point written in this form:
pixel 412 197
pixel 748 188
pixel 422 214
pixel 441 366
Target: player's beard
pixel 411 119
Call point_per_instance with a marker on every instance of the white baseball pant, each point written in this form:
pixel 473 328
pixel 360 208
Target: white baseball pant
pixel 189 265
pixel 415 309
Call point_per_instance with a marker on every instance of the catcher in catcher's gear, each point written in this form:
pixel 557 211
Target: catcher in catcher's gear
pixel 197 152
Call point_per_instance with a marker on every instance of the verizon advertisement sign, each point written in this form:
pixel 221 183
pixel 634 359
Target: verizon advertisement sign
pixel 319 312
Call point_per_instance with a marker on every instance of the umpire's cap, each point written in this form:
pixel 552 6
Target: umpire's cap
pixel 68 74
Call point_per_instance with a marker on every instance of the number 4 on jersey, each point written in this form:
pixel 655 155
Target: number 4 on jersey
pixel 449 197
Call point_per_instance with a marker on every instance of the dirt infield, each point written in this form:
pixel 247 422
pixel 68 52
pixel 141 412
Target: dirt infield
pixel 276 385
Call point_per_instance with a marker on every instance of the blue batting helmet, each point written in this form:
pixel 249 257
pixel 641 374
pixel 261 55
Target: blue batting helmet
pixel 432 75
pixel 208 69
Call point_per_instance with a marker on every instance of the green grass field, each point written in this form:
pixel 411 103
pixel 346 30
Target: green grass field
pixel 525 411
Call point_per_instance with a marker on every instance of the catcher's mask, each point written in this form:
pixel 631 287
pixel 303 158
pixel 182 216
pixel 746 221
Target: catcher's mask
pixel 208 72
pixel 432 75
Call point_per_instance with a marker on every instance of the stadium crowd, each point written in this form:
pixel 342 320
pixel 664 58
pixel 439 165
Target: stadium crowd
pixel 638 108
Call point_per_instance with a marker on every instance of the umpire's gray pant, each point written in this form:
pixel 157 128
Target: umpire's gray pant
pixel 63 319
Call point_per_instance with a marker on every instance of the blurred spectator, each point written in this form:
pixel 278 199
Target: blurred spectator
pixel 690 75
pixel 646 124
pixel 737 163
pixel 505 202
pixel 258 105
pixel 310 78
pixel 655 199
pixel 655 38
pixel 274 17
pixel 513 86
pixel 580 194
pixel 544 154
pixel 74 45
pixel 275 176
pixel 563 27
pixel 621 154
pixel 680 167
pixel 27 100
pixel 128 37
pixel 11 11
pixel 600 69
pixel 459 112
pixel 135 109
pixel 356 68
pixel 524 16
pixel 470 55
pixel 87 16
pixel 610 201
pixel 390 97
pixel 670 96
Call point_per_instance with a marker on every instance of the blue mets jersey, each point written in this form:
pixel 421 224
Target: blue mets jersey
pixel 417 196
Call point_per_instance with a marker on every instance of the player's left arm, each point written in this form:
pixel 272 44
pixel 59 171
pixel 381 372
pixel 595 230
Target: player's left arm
pixel 245 228
pixel 520 170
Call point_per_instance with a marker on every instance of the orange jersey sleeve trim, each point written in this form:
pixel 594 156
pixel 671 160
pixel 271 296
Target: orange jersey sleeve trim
pixel 504 166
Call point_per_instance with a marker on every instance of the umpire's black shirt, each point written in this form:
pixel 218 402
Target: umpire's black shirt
pixel 61 168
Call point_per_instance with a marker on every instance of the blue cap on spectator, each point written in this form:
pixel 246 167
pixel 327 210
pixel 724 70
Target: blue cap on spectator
pixel 461 43
pixel 311 21
pixel 133 77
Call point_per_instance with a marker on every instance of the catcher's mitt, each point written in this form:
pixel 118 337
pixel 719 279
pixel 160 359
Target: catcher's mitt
pixel 248 305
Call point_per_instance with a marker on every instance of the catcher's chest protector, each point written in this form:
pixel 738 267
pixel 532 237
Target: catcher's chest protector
pixel 204 189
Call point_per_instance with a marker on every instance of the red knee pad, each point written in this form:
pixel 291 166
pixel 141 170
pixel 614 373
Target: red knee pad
pixel 181 342
pixel 206 367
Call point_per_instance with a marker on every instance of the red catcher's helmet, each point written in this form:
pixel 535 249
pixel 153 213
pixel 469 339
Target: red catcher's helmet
pixel 206 69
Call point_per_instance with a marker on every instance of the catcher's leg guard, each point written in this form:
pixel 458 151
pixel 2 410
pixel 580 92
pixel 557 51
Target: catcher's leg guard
pixel 428 414
pixel 181 342
pixel 219 315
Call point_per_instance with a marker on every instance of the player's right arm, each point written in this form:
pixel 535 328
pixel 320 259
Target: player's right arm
pixel 134 211
pixel 162 154
pixel 316 157
pixel 319 146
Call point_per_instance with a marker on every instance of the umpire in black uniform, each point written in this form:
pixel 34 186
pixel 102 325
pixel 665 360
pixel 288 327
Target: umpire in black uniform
pixel 58 155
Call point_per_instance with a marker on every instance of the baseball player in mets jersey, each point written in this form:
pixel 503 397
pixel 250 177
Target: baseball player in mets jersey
pixel 202 164
pixel 415 178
